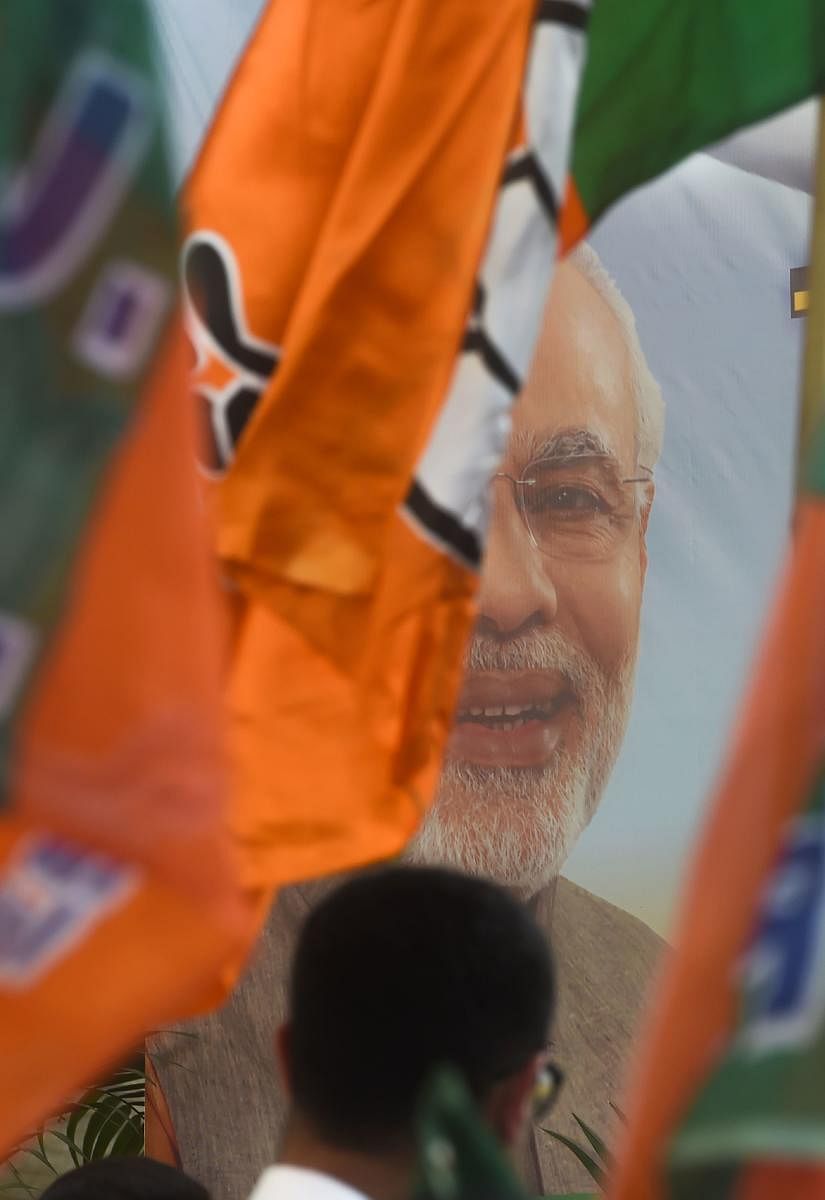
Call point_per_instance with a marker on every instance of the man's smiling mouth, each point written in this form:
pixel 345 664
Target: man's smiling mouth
pixel 511 718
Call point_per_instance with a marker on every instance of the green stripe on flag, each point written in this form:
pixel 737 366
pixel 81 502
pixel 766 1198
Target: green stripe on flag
pixel 813 474
pixel 705 1183
pixel 87 281
pixel 667 77
pixel 765 1098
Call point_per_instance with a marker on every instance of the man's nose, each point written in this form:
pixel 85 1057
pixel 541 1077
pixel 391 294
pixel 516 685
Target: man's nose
pixel 517 591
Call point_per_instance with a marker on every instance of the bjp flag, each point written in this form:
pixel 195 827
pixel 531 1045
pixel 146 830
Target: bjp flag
pixel 370 238
pixel 119 906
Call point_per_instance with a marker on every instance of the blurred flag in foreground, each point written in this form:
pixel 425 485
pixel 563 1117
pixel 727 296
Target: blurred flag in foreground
pixel 118 907
pixel 358 351
pixel 667 77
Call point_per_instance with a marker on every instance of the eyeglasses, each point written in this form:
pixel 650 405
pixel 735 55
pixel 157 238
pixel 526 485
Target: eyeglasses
pixel 546 1090
pixel 546 1087
pixel 576 506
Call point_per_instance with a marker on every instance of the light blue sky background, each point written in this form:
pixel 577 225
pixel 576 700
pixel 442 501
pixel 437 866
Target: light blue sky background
pixel 703 257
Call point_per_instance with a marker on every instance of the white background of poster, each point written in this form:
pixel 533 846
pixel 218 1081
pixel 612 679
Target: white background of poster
pixel 703 257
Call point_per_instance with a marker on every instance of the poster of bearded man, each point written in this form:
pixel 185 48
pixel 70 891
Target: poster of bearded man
pixel 637 522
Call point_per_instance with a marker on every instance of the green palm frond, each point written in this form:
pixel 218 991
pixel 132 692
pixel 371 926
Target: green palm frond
pixel 594 1169
pixel 596 1142
pixel 107 1120
pixel 595 1156
pixel 19 1182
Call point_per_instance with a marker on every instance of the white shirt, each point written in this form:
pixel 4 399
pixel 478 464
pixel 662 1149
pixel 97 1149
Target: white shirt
pixel 283 1182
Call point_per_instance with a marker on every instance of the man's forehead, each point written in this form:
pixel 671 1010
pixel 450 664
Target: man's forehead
pixel 580 387
pixel 527 445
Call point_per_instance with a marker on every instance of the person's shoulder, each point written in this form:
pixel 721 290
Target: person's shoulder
pixel 601 938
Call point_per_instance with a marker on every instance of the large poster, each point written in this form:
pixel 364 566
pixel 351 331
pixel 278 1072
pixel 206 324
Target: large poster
pixel 637 523
pixel 700 263
pixel 704 259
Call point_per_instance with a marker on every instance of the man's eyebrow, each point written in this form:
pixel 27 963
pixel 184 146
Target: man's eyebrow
pixel 528 445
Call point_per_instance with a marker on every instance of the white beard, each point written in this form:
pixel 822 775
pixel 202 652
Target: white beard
pixel 517 825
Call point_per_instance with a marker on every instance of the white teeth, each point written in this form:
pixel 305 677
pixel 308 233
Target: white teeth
pixel 499 710
pixel 516 711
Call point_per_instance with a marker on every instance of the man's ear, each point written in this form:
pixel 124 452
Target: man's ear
pixel 283 1056
pixel 647 505
pixel 507 1107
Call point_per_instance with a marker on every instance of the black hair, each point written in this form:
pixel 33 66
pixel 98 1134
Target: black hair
pixel 402 970
pixel 125 1178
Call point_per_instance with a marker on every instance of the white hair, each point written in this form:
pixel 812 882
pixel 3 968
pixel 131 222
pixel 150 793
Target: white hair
pixel 650 406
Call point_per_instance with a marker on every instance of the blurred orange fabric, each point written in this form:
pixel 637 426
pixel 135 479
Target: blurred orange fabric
pixel 120 762
pixel 348 183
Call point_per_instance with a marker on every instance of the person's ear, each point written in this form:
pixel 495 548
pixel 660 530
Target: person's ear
pixel 507 1107
pixel 647 504
pixel 283 1056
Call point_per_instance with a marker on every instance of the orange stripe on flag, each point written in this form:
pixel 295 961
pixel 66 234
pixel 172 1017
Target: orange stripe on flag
pixel 781 1181
pixel 574 221
pixel 120 786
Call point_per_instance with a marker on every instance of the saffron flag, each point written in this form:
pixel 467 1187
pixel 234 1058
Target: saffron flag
pixel 358 351
pixel 119 906
pixel 667 77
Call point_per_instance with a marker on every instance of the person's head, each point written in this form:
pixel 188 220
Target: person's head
pixel 125 1178
pixel 397 973
pixel 550 666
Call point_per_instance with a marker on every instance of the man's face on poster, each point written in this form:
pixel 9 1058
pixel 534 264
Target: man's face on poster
pixel 550 666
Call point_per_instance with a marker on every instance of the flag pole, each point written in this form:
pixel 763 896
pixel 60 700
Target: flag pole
pixel 812 403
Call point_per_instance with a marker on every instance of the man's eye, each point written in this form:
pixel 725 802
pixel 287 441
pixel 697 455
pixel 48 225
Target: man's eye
pixel 568 498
